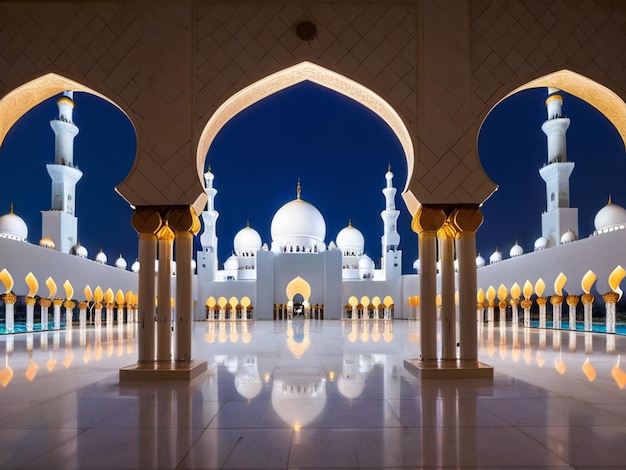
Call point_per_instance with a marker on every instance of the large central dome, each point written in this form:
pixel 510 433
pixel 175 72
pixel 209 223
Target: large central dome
pixel 298 226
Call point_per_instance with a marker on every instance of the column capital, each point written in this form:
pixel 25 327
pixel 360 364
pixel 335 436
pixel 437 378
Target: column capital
pixel 147 220
pixel 184 219
pixel 466 219
pixel 428 219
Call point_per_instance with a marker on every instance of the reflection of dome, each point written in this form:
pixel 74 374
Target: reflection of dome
pixel 80 251
pixel 351 385
pixel 101 257
pixel 541 243
pixel 610 217
pixel 298 224
pixel 480 261
pixel 350 240
pixel 495 257
pixel 47 242
pixel 121 263
pixel 516 250
pixel 247 241
pixel 298 397
pixel 568 237
pixel 13 226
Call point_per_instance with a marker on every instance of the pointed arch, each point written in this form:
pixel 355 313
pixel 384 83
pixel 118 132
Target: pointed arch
pixel 594 93
pixel 298 286
pixel 22 99
pixel 306 71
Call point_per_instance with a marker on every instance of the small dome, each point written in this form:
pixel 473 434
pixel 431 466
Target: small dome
pixel 351 240
pixel 193 265
pixel 121 263
pixel 332 246
pixel 80 251
pixel 416 265
pixel 568 237
pixel 495 257
pixel 13 226
pixel 610 217
pixel 135 266
pixel 366 267
pixel 232 263
pixel 47 242
pixel 480 261
pixel 247 240
pixel 101 258
pixel 541 243
pixel 516 250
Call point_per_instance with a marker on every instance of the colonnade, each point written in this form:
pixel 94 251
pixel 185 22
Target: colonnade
pixel 444 231
pixel 165 231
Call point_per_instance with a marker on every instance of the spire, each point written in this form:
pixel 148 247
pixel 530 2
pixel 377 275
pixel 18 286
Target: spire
pixel 350 222
pixel 608 204
pixel 11 207
pixel 248 222
pixel 388 166
pixel 298 190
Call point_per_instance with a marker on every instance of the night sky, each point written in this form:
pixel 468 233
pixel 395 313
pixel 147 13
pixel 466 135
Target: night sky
pixel 339 151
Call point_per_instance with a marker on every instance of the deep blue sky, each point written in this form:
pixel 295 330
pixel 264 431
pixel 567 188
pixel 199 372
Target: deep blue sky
pixel 340 152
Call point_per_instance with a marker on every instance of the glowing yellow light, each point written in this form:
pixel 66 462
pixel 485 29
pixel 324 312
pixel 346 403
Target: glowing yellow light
pixel 52 287
pixel 119 297
pixel 211 302
pixel 528 290
pixel 480 296
pixel 33 285
pixel 388 301
pixel 233 301
pixel 7 280
pixel 502 292
pixel 376 301
pixel 515 291
pixel 615 278
pixel 491 294
pixel 245 301
pixel 98 295
pixel 108 296
pixel 69 290
pixel 50 364
pixel 559 365
pixel 365 301
pixel 540 286
pixel 541 360
pixel 559 283
pixel 353 301
pixel 618 374
pixel 589 370
pixel 31 371
pixel 88 293
pixel 129 297
pixel 222 302
pixel 6 374
pixel 587 282
pixel 438 300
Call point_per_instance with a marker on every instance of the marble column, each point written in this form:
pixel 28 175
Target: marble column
pixel 185 223
pixel 147 222
pixel 426 222
pixel 572 302
pixel 445 237
pixel 165 238
pixel 467 220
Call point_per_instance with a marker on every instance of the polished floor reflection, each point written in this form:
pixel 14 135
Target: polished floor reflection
pixel 312 394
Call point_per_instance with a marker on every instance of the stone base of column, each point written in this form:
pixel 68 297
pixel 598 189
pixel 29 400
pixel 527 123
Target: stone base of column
pixel 182 370
pixel 448 369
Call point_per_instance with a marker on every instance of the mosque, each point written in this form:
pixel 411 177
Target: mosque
pixel 297 272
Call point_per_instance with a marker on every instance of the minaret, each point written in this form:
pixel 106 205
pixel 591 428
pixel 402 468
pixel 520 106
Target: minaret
pixel 60 222
pixel 391 262
pixel 207 258
pixel 559 216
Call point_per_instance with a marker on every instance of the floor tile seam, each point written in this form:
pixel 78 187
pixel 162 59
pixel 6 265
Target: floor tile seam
pixel 178 465
pixel 52 449
pixel 221 407
pixel 542 444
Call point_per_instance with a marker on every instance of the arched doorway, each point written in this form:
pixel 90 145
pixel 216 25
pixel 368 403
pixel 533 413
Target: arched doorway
pixel 298 293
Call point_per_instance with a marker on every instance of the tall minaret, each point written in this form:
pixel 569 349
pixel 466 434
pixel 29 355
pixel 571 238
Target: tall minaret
pixel 207 258
pixel 391 263
pixel 559 216
pixel 60 222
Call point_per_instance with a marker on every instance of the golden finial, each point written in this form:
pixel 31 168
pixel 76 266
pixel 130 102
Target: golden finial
pixel 350 222
pixel 388 166
pixel 11 208
pixel 608 204
pixel 209 169
pixel 248 222
pixel 298 189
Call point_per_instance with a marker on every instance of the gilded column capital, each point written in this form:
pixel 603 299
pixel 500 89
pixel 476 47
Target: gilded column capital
pixel 57 302
pixel 428 219
pixel 542 300
pixel 572 300
pixel 611 297
pixel 448 231
pixel 466 219
pixel 588 299
pixel 45 302
pixel 184 219
pixel 147 220
pixel 526 303
pixel 9 298
pixel 556 299
pixel 30 300
pixel 166 233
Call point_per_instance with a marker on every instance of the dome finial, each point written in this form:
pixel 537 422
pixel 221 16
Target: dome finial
pixel 610 200
pixel 298 189
pixel 248 222
pixel 11 208
pixel 350 222
pixel 388 166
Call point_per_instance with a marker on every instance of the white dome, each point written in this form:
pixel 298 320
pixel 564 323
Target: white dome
pixel 47 242
pixel 298 223
pixel 351 239
pixel 135 266
pixel 248 385
pixel 101 257
pixel 121 263
pixel 416 265
pixel 80 251
pixel 13 226
pixel 193 265
pixel 541 243
pixel 332 246
pixel 232 263
pixel 611 216
pixel 351 385
pixel 495 257
pixel 247 240
pixel 365 262
pixel 568 237
pixel 516 250
pixel 480 261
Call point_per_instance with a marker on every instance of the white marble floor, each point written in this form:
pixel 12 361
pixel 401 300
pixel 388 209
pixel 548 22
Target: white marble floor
pixel 318 394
